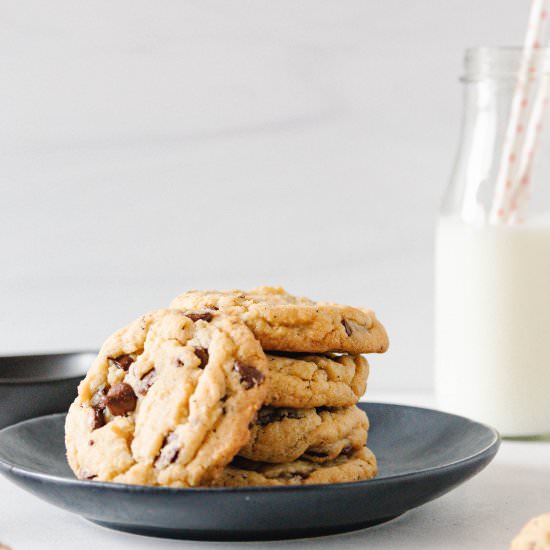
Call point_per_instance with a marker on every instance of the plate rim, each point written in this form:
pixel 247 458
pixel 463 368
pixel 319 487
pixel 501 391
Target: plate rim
pixel 489 450
pixel 11 381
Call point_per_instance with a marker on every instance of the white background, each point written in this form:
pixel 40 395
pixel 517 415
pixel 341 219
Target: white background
pixel 150 147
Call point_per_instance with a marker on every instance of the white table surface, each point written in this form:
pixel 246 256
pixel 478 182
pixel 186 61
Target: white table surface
pixel 483 514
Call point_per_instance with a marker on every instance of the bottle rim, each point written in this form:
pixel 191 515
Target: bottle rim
pixel 497 62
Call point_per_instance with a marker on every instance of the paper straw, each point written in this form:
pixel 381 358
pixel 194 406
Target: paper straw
pixel 508 175
pixel 521 191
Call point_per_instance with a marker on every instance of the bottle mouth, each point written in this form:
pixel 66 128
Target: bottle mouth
pixel 499 63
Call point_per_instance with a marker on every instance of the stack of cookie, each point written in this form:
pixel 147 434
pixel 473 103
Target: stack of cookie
pixel 229 389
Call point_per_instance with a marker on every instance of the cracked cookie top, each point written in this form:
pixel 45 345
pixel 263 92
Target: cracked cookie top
pixel 290 323
pixel 168 400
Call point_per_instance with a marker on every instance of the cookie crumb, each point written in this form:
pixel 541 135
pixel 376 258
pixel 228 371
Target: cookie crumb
pixel 535 535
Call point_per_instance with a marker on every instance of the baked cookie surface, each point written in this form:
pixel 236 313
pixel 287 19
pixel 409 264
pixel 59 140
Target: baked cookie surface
pixel 290 323
pixel 305 381
pixel 168 400
pixel 358 465
pixel 282 435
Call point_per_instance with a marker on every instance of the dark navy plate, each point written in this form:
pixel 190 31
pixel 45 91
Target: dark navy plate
pixel 422 454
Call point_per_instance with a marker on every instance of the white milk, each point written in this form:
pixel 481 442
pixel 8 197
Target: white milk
pixel 493 324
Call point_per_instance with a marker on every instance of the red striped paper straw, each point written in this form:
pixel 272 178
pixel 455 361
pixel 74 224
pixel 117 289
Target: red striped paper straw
pixel 508 172
pixel 520 196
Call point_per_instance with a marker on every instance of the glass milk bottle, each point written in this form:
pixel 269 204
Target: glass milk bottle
pixel 492 353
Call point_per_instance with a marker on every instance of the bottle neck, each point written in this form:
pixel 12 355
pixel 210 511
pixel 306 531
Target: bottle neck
pixel 486 104
pixel 489 86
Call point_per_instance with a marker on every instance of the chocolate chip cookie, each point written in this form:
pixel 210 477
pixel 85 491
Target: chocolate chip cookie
pixel 355 466
pixel 168 400
pixel 282 435
pixel 535 535
pixel 289 323
pixel 305 381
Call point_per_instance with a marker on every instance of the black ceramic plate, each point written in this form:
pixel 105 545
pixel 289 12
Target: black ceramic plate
pixel 422 454
pixel 34 385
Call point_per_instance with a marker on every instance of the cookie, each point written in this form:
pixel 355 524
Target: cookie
pixel 318 435
pixel 289 323
pixel 305 381
pixel 168 400
pixel 535 535
pixel 358 465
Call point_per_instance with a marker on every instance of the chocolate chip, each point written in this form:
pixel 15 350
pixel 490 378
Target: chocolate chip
pixel 146 382
pixel 243 463
pixel 317 454
pixel 198 316
pixel 91 443
pixel 173 455
pixel 202 354
pixel 268 415
pixel 347 327
pixel 98 418
pixel 84 474
pixel 168 453
pixel 250 376
pixel 122 361
pixel 98 407
pixel 121 399
pixel 347 451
